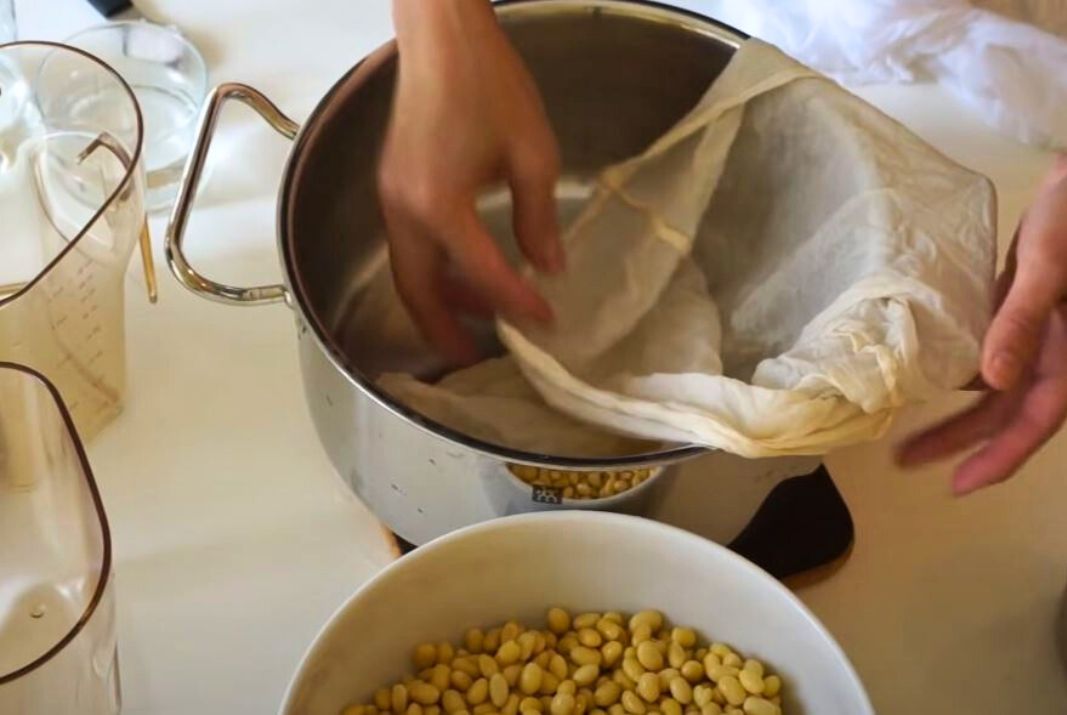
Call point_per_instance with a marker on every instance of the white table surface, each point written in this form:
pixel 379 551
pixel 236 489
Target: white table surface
pixel 235 541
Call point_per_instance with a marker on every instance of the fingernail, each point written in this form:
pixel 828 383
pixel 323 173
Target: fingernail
pixel 1003 370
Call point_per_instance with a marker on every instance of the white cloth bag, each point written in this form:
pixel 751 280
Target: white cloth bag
pixel 776 275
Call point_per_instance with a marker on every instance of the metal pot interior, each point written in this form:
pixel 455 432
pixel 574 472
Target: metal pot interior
pixel 614 74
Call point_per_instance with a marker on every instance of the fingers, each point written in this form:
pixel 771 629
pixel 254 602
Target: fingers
pixel 483 266
pixel 1023 356
pixel 958 432
pixel 421 250
pixel 418 267
pixel 532 178
pixel 1040 415
pixel 1038 260
pixel 1019 324
pixel 464 299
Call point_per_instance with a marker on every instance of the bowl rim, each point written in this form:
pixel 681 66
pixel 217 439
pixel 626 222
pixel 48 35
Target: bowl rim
pixel 552 519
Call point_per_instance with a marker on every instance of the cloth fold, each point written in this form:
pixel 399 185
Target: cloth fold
pixel 776 275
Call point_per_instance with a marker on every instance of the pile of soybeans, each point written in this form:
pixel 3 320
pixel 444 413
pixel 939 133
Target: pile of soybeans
pixel 589 664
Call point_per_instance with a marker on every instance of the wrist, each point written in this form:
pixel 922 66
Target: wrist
pixel 428 25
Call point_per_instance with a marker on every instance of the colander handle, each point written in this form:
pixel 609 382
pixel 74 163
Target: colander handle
pixel 179 266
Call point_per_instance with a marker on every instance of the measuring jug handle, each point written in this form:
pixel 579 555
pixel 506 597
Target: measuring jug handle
pixel 179 266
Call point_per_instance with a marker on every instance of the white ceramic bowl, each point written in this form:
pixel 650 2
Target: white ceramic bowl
pixel 516 567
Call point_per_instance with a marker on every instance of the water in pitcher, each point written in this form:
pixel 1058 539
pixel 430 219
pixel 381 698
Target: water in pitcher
pixel 168 78
pixel 170 121
pixel 169 113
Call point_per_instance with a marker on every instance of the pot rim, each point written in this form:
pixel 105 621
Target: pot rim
pixel 647 9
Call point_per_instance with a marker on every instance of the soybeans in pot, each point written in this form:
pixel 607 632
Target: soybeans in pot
pixel 581 484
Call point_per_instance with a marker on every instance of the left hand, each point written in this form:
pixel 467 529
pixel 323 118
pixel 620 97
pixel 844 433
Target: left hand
pixel 1024 356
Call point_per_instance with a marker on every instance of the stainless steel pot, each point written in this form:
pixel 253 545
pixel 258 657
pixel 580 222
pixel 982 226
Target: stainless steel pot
pixel 615 74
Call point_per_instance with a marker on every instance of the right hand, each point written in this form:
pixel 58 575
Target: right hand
pixel 1024 355
pixel 466 115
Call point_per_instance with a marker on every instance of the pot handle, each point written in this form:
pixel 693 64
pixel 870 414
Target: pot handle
pixel 179 266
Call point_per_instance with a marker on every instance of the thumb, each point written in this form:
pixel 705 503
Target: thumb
pixel 533 193
pixel 1019 325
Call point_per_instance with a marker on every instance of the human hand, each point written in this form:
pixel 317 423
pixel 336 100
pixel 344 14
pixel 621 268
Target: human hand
pixel 1024 356
pixel 466 115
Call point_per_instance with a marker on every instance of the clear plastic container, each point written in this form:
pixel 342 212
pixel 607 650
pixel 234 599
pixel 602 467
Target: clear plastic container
pixel 169 79
pixel 72 201
pixel 58 652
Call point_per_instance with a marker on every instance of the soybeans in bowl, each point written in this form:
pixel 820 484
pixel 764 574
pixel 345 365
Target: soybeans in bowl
pixel 591 663
pixel 502 576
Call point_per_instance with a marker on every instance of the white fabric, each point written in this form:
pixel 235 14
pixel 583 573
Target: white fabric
pixel 776 275
pixel 494 402
pixel 1012 73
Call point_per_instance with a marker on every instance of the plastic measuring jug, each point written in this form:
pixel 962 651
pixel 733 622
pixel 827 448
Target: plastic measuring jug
pixel 58 652
pixel 71 212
